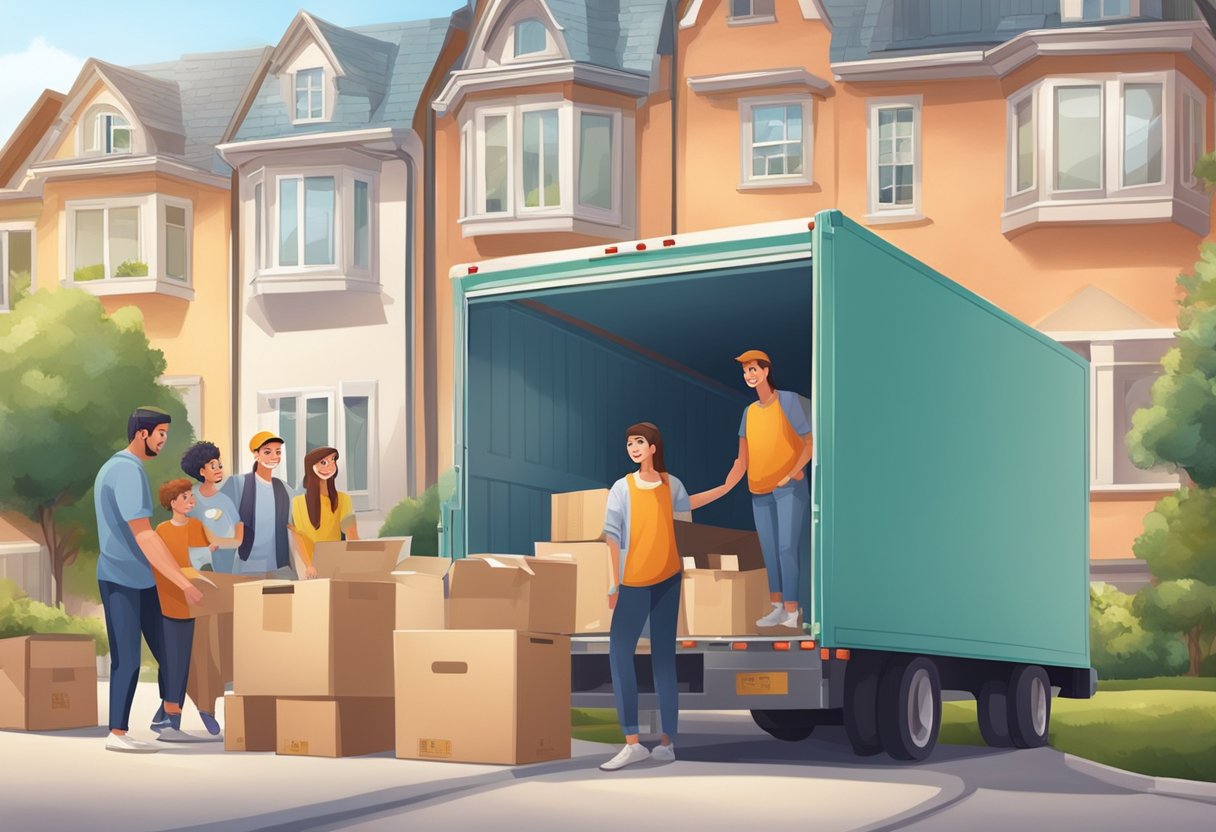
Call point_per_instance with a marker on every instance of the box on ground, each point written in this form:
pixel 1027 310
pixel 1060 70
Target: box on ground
pixel 594 576
pixel 48 682
pixel 217 593
pixel 482 696
pixel 421 585
pixel 360 559
pixel 249 723
pixel 342 727
pixel 512 592
pixel 314 638
pixel 578 515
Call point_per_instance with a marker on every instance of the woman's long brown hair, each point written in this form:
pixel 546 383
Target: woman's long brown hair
pixel 650 433
pixel 313 483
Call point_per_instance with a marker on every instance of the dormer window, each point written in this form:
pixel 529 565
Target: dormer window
pixel 1094 11
pixel 530 37
pixel 107 132
pixel 751 11
pixel 310 94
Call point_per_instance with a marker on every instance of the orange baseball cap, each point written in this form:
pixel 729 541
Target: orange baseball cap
pixel 753 355
pixel 261 438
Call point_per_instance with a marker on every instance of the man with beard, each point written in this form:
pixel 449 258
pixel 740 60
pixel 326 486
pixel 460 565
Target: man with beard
pixel 128 550
pixel 263 504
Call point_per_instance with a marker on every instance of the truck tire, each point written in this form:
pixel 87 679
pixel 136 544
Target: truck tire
pixel 909 707
pixel 861 705
pixel 992 712
pixel 788 726
pixel 1029 706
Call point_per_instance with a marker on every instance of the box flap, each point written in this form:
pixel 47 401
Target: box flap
pixel 357 557
pixel 423 565
pixel 62 651
pixel 507 562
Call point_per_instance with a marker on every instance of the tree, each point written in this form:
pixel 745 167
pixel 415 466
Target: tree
pixel 1119 645
pixel 70 375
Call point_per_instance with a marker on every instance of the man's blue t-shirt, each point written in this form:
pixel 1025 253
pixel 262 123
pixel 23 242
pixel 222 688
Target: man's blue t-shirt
pixel 120 495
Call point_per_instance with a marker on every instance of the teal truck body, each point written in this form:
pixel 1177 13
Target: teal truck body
pixel 948 538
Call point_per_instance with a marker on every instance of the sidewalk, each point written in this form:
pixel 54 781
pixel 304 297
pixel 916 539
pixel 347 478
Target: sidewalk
pixel 67 780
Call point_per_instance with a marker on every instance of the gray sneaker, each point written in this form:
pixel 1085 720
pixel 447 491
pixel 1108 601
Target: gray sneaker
pixel 178 735
pixel 129 745
pixel 775 617
pixel 627 756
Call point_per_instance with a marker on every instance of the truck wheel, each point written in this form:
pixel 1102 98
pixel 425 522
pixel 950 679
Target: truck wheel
pixel 861 705
pixel 909 707
pixel 1029 706
pixel 992 711
pixel 789 726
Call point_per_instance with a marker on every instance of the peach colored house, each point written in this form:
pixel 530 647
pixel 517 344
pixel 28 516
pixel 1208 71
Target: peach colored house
pixel 1038 152
pixel 115 188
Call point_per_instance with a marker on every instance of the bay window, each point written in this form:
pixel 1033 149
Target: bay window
pixel 118 245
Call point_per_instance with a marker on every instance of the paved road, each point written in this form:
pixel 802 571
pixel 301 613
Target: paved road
pixel 730 776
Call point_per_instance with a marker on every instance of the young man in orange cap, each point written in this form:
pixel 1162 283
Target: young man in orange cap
pixel 264 506
pixel 775 446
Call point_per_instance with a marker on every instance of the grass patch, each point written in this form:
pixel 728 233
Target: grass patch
pixel 1160 683
pixel 595 725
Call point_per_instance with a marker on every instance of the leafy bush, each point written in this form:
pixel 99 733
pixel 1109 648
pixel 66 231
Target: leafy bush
pixel 417 516
pixel 19 286
pixel 22 616
pixel 95 272
pixel 131 268
pixel 1121 648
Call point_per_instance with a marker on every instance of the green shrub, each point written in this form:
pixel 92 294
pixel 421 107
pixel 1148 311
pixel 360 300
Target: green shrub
pixel 22 616
pixel 419 517
pixel 95 272
pixel 19 286
pixel 131 268
pixel 1119 645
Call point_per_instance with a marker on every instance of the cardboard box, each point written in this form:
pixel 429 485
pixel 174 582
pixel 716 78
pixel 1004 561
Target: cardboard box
pixel 341 727
pixel 217 593
pixel 512 592
pixel 697 540
pixel 578 515
pixel 314 638
pixel 593 564
pixel 421 583
pixel 360 559
pixel 249 723
pixel 719 599
pixel 482 696
pixel 48 682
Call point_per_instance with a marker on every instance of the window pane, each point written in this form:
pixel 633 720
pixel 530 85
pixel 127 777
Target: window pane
pixel 595 161
pixel 531 171
pixel 124 243
pixel 354 415
pixel 309 93
pixel 120 140
pixel 318 221
pixel 257 225
pixel 362 225
pixel 740 8
pixel 793 163
pixel 1195 137
pixel 316 425
pixel 1078 138
pixel 541 186
pixel 90 247
pixel 288 432
pixel 302 104
pixel 1091 9
pixel 1116 8
pixel 289 203
pixel 551 175
pixel 1141 134
pixel 496 164
pixel 529 37
pixel 1023 115
pixel 175 242
pixel 793 122
pixel 768 124
pixel 886 123
pixel 20 264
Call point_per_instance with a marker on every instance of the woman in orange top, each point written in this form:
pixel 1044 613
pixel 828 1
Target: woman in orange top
pixel 640 530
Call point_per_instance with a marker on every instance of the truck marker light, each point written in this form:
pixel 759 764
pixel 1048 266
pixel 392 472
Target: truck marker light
pixel 825 653
pixel 668 243
pixel 688 645
pixel 738 645
pixel 781 645
pixel 641 246
pixel 810 226
pixel 611 250
pixel 806 645
pixel 472 270
pixel 843 655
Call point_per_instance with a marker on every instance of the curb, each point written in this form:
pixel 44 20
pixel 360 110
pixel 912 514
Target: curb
pixel 1130 780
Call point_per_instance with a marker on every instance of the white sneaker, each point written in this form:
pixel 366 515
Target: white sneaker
pixel 177 735
pixel 129 745
pixel 775 617
pixel 627 756
pixel 792 619
pixel 663 753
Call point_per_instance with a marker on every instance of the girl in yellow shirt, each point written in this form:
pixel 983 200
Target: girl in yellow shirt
pixel 322 513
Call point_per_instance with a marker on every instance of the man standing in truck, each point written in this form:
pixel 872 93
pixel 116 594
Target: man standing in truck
pixel 775 446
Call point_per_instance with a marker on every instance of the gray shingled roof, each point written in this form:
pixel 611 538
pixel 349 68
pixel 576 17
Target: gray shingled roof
pixel 386 65
pixel 866 29
pixel 617 34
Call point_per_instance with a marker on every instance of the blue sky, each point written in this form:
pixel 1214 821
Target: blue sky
pixel 44 42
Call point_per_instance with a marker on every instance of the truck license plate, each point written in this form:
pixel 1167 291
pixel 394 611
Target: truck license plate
pixel 762 684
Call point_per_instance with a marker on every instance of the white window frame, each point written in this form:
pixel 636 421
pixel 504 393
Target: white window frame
pixel 368 499
pixel 301 245
pixel 92 138
pixel 747 108
pixel 898 213
pixel 162 224
pixel 1049 138
pixel 1190 94
pixel 268 417
pixel 466 166
pixel 1072 11
pixel 6 229
pixel 565 167
pixel 190 388
pixel 514 50
pixel 479 169
pixel 753 17
pixel 1168 92
pixel 310 91
pixel 611 216
pixel 1015 101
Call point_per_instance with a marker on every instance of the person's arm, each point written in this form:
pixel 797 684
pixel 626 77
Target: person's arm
pixel 614 555
pixel 158 555
pixel 616 516
pixel 348 524
pixel 234 542
pixel 738 469
pixel 796 415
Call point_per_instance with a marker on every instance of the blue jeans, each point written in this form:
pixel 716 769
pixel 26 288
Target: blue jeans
pixel 780 520
pixel 179 637
pixel 634 604
pixel 130 613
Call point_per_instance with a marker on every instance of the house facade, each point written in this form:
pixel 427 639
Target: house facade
pixel 328 175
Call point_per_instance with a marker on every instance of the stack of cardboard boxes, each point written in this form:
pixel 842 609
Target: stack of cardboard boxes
pixel 576 536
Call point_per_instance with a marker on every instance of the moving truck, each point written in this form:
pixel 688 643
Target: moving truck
pixel 948 541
